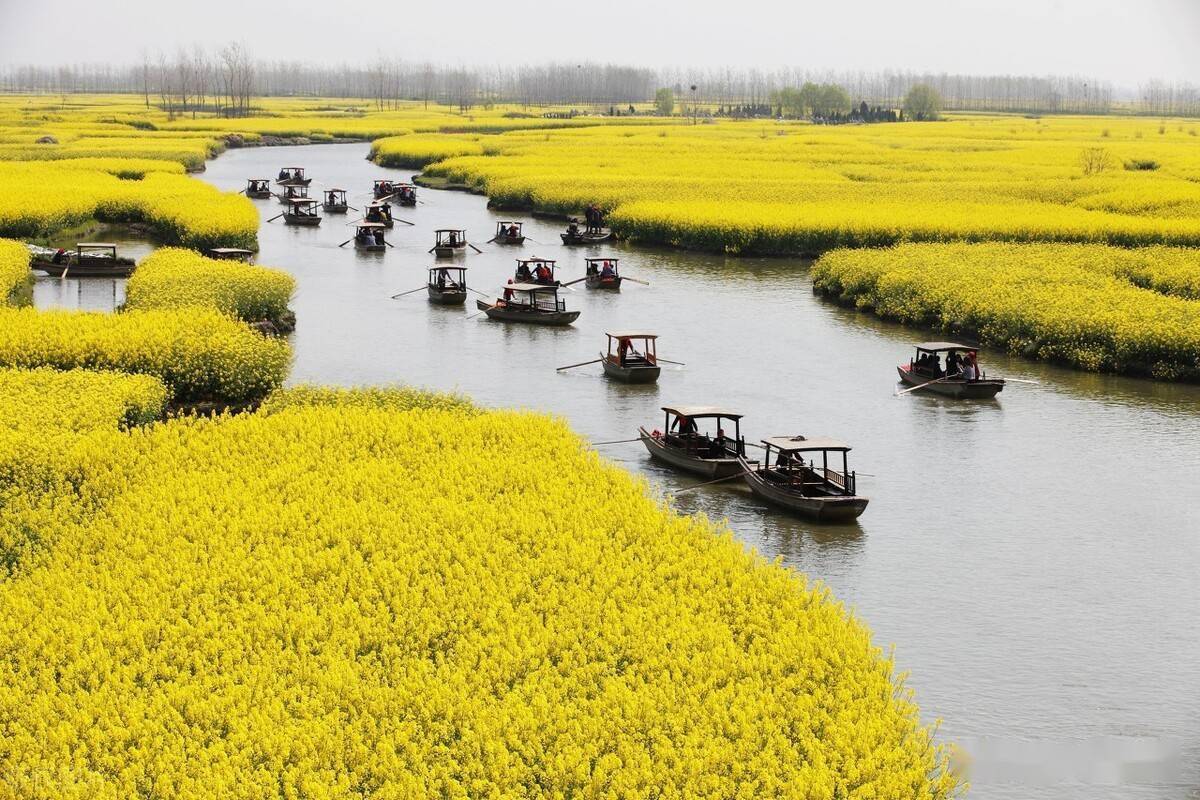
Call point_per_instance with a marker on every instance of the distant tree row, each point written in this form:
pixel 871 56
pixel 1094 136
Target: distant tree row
pixel 223 80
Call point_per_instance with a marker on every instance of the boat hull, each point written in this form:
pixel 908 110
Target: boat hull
pixel 120 269
pixel 304 222
pixel 447 297
pixel 674 457
pixel 605 284
pixel 449 252
pixel 984 389
pixel 370 248
pixel 509 240
pixel 821 509
pixel 643 373
pixel 506 314
pixel 263 195
pixel 294 182
pixel 335 209
pixel 585 238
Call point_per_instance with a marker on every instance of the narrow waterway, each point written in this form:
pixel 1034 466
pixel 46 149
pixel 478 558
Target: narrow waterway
pixel 1034 559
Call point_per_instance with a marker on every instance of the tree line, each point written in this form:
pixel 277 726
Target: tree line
pixel 224 79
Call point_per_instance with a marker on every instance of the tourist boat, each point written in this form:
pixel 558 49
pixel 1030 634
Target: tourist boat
pixel 369 236
pixel 405 194
pixel 381 212
pixel 603 273
pixel 382 188
pixel 291 193
pixel 229 254
pixel 815 491
pixel 932 377
pixel 302 211
pixel 257 188
pixel 682 444
pixel 335 201
pixel 447 285
pixel 449 242
pixel 87 260
pixel 575 235
pixel 530 303
pixel 536 270
pixel 509 233
pixel 292 176
pixel 626 363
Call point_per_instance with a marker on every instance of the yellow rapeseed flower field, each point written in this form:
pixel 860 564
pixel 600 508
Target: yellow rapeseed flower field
pixel 323 602
pixel 172 277
pixel 14 267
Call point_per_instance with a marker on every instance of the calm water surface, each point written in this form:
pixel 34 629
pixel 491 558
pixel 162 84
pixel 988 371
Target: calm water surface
pixel 1035 559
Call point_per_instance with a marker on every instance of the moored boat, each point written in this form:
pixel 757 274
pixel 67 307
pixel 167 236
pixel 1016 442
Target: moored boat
pixel 603 273
pixel 87 260
pixel 230 254
pixel 509 233
pixel 257 188
pixel 575 235
pixel 335 201
pixel 447 286
pixel 960 378
pixel 529 303
pixel 292 176
pixel 785 479
pixel 626 363
pixel 302 211
pixel 684 444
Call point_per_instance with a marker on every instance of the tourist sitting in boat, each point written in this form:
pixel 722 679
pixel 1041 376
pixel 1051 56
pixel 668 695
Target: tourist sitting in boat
pixel 512 231
pixel 953 363
pixel 543 274
pixel 379 237
pixel 608 271
pixel 970 371
pixel 523 273
pixel 573 228
pixel 59 255
pixel 685 425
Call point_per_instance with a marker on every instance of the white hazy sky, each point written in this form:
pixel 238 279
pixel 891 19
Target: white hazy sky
pixel 1124 41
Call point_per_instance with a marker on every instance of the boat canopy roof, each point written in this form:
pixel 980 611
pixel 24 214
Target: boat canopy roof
pixel 231 251
pixel 451 230
pixel 532 287
pixel 295 169
pixel 334 189
pixel 941 347
pixel 95 244
pixel 507 222
pixel 702 411
pixel 796 444
pixel 536 260
pixel 631 335
pixel 603 258
pixel 371 225
pixel 447 268
pixel 302 201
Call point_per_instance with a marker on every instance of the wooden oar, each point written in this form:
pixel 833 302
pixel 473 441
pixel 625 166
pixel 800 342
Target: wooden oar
pixel 1020 380
pixel 618 441
pixel 473 247
pixel 410 291
pixel 430 250
pixel 580 364
pixel 927 383
pixel 406 222
pixel 348 241
pixel 482 311
pixel 350 206
pixel 577 280
pixel 489 241
pixel 389 244
pixel 635 280
pixel 277 216
pixel 476 291
pixel 669 361
pixel 709 483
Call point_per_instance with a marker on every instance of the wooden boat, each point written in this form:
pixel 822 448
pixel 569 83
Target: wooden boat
pixel 380 212
pixel 683 445
pixel 625 363
pixel 87 260
pixel 335 201
pixel 257 188
pixel 302 211
pixel 536 270
pixel 291 193
pixel 926 371
pixel 382 188
pixel 229 254
pixel 369 236
pixel 574 235
pixel 529 303
pixel 603 273
pixel 805 488
pixel 509 233
pixel 449 242
pixel 447 285
pixel 292 176
pixel 405 194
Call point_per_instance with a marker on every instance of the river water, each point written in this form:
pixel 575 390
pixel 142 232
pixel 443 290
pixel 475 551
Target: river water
pixel 1034 559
